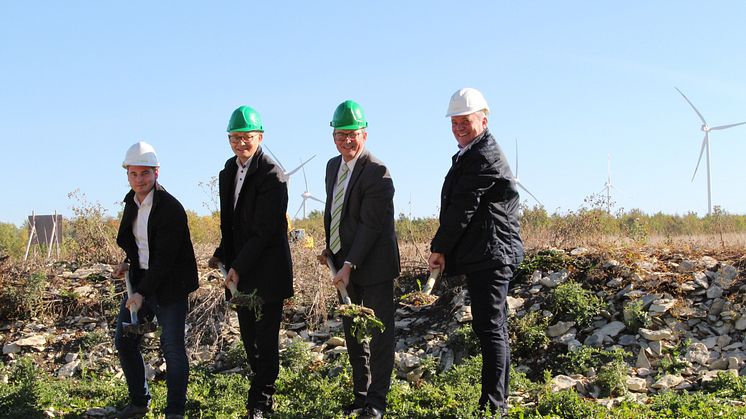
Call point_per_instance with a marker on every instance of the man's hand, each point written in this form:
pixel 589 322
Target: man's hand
pixel 437 261
pixel 213 262
pixel 134 302
pixel 231 279
pixel 322 257
pixel 343 276
pixel 120 270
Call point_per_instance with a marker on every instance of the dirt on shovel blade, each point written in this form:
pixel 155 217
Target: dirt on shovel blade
pixel 418 299
pixel 364 321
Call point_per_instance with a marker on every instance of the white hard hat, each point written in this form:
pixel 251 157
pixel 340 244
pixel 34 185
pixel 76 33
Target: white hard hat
pixel 466 101
pixel 140 154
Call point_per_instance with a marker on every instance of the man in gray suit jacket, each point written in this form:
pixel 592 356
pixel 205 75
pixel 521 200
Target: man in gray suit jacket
pixel 359 227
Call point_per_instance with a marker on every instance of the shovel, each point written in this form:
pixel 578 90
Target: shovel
pixel 364 319
pixel 423 298
pixel 241 299
pixel 135 327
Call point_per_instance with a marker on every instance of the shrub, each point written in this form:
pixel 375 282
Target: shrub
pixel 465 342
pixel 91 234
pixel 586 357
pixel 635 316
pixel 528 334
pixel 672 361
pixel 12 242
pixel 22 298
pixel 568 405
pixel 570 301
pixel 612 378
pixel 728 385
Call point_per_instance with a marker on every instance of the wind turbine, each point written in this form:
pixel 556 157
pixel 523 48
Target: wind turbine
pixel 608 186
pixel 306 196
pixel 290 173
pixel 706 145
pixel 515 178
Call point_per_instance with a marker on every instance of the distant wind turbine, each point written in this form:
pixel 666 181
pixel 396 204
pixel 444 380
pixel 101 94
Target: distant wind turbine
pixel 515 178
pixel 706 145
pixel 306 196
pixel 290 173
pixel 608 186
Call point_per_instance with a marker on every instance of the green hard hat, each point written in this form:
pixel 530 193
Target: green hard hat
pixel 349 115
pixel 245 118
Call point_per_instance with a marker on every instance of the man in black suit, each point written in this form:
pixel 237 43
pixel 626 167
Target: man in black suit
pixel 479 236
pixel 162 271
pixel 254 248
pixel 359 227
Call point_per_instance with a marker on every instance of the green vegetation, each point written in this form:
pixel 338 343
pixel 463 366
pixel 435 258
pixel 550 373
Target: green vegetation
pixel 528 334
pixel 673 361
pixel 570 301
pixel 586 357
pixel 635 315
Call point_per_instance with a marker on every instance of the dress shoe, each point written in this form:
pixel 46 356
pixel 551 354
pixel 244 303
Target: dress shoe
pixel 352 410
pixel 370 413
pixel 132 412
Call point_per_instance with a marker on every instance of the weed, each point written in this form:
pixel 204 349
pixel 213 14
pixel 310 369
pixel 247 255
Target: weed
pixel 728 385
pixel 570 301
pixel 464 341
pixel 569 405
pixel 528 334
pixel 635 316
pixel 612 378
pixel 586 357
pixel 672 361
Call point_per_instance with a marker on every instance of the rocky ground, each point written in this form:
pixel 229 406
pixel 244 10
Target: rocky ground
pixel 695 298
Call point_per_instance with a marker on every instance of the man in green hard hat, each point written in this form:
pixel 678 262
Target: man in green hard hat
pixel 360 238
pixel 254 249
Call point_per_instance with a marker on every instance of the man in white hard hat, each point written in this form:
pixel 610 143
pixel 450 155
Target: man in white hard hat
pixel 162 269
pixel 479 237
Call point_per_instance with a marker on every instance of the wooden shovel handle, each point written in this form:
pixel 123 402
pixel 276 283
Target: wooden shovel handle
pixel 231 286
pixel 130 293
pixel 340 286
pixel 428 288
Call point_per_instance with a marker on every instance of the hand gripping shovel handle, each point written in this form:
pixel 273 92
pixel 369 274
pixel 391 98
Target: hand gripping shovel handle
pixel 340 285
pixel 231 286
pixel 428 288
pixel 130 293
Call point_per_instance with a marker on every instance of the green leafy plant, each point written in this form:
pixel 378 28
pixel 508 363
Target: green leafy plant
pixel 570 301
pixel 528 334
pixel 586 357
pixel 612 378
pixel 672 361
pixel 364 322
pixel 635 316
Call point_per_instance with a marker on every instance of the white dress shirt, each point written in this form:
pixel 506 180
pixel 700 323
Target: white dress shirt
pixel 240 177
pixel 140 228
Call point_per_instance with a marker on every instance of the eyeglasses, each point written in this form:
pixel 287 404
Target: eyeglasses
pixel 237 139
pixel 342 136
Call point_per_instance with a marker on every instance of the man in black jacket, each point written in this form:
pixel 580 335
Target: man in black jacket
pixel 479 236
pixel 162 270
pixel 254 248
pixel 360 238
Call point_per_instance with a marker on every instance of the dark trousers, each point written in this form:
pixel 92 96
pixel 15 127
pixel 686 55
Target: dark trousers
pixel 488 290
pixel 260 340
pixel 372 362
pixel 171 318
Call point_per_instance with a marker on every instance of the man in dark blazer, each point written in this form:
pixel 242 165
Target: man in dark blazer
pixel 360 237
pixel 163 271
pixel 479 236
pixel 254 248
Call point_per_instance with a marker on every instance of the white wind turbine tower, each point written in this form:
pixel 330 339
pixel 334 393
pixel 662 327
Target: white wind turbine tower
pixel 706 145
pixel 306 196
pixel 608 186
pixel 515 178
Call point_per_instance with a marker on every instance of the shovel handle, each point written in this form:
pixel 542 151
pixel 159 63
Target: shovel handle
pixel 340 286
pixel 130 293
pixel 231 286
pixel 428 288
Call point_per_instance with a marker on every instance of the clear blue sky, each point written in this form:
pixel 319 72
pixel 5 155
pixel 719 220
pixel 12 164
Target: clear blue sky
pixel 574 81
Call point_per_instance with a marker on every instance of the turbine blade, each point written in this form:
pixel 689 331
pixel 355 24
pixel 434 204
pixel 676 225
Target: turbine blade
pixel 299 167
pixel 727 126
pixel 702 118
pixel 701 151
pixel 274 157
pixel 529 192
pixel 316 199
pixel 305 181
pixel 299 208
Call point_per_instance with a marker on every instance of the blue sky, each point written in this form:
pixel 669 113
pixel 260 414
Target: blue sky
pixel 573 81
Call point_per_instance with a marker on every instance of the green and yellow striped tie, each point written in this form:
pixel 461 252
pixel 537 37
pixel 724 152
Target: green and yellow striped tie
pixel 335 243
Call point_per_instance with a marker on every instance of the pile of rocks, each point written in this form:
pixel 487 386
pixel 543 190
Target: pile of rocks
pixel 699 299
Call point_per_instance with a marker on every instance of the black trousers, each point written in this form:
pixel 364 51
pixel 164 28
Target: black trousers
pixel 488 290
pixel 260 340
pixel 373 362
